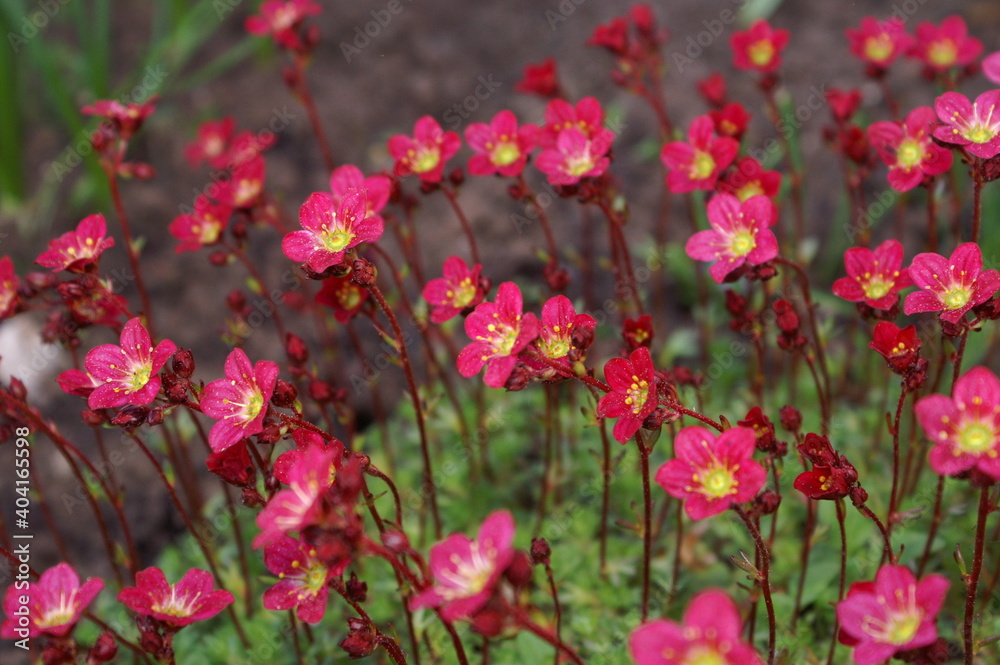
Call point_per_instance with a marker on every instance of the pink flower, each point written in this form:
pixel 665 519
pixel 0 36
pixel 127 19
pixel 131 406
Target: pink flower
pixel 8 288
pixel 633 393
pixel 201 227
pixel 879 42
pixel 55 603
pixel 759 47
pixel 467 571
pixel 908 149
pixel 976 125
pixel 951 286
pixel 874 277
pixel 128 372
pixel 77 251
pixel 343 296
pixel 239 401
pixel 894 613
pixel 559 322
pixel 575 157
pixel 587 117
pixel 991 67
pixel 499 332
pixel 426 152
pixel 947 46
pixel 740 234
pixel 304 440
pixel 126 118
pixel 245 185
pixel 193 598
pixel 282 19
pixel 710 634
pixel 748 178
pixel 211 144
pixel 75 382
pixel 295 508
pixel 376 187
pixel 501 146
pixel 712 473
pixel 459 288
pixel 964 428
pixel 304 579
pixel 696 164
pixel 330 230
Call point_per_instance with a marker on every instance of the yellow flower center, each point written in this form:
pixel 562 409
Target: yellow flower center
pixel 337 240
pixel 702 165
pixel 903 629
pixel 761 53
pixel 506 154
pixel 61 614
pixel 979 133
pixel 462 294
pixel 956 298
pixel 315 579
pixel 909 153
pixel 579 165
pixel 743 243
pixel 705 655
pixel 637 393
pixel 717 482
pixel 943 53
pixel 752 188
pixel 976 438
pixel 426 160
pixel 140 377
pixel 878 48
pixel 876 288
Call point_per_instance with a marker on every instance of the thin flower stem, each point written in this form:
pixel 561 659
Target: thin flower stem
pixel 301 90
pixel 870 514
pixel 894 492
pixel 647 523
pixel 972 583
pixel 605 496
pixel 133 255
pixel 932 232
pixel 804 559
pixel 932 532
pixel 463 220
pixel 764 579
pixel 841 514
pixel 262 288
pixel 977 200
pixel 558 608
pixel 810 317
pixel 543 219
pixel 694 414
pixel 522 619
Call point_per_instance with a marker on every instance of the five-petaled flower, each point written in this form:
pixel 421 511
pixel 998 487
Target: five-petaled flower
pixel 55 603
pixel 239 401
pixel 193 598
pixel 457 289
pixel 377 188
pixel 329 230
pixel 908 149
pixel 467 571
pixel 77 251
pixel 128 372
pixel 879 43
pixel 748 178
pixel 942 47
pixel 874 277
pixel 899 347
pixel 759 47
pixel 281 20
pixel 964 428
pixel 501 146
pixel 710 634
pixel 574 157
pixel 697 163
pixel 973 125
pixel 343 296
pixel 892 614
pixel 712 473
pixel 125 118
pixel 540 79
pixel 200 227
pixel 303 579
pixel 951 286
pixel 308 477
pixel 212 143
pixel 499 332
pixel 633 393
pixel 832 475
pixel 740 234
pixel 559 322
pixel 426 152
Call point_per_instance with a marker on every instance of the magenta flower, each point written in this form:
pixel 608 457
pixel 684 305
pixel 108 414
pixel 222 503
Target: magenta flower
pixel 575 156
pixel 303 581
pixel 193 598
pixel 991 67
pixel 295 508
pixel 908 149
pixel 55 603
pixel 245 186
pixel 75 382
pixel 975 125
pixel 748 178
pixel 947 46
pixel 238 402
pixel 696 164
pixel 759 47
pixel 501 146
pixel 740 234
pixel 466 572
pixel 879 43
pixel 459 288
pixel 633 393
pixel 559 322
pixel 894 613
pixel 874 277
pixel 951 286
pixel 281 20
pixel 964 428
pixel 343 296
pixel 212 143
pixel 712 473
pixel 377 189
pixel 77 251
pixel 330 230
pixel 8 288
pixel 426 152
pixel 586 117
pixel 499 331
pixel 128 372
pixel 126 118
pixel 304 440
pixel 710 634
pixel 201 227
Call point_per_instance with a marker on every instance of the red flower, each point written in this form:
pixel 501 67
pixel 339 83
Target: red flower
pixel 832 475
pixel 501 146
pixel 731 120
pixel 638 332
pixel 748 178
pixel 908 150
pixel 759 47
pixel 75 382
pixel 233 464
pixel 895 613
pixel 586 117
pixel 55 603
pixel 740 234
pixel 710 634
pixel 126 118
pixel 193 598
pixel 879 42
pixel 843 103
pixel 284 466
pixel 975 125
pixel 128 372
pixel 951 286
pixel 77 251
pixel 540 79
pixel 8 288
pixel 343 296
pixel 633 393
pixel 426 152
pixel 899 347
pixel 304 579
pixel 612 36
pixel 245 184
pixel 212 143
pixel 713 89
pixel 964 428
pixel 293 509
pixel 947 46
pixel 575 157
pixel 466 571
pixel 559 322
pixel 459 288
pixel 239 401
pixel 499 332
pixel 202 227
pixel 377 188
pixel 712 473
pixel 696 164
pixel 874 277
pixel 282 20
pixel 762 427
pixel 330 230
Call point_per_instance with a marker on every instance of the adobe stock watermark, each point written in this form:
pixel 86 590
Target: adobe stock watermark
pixel 459 112
pixel 364 34
pixel 34 21
pixel 562 12
pixel 695 45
